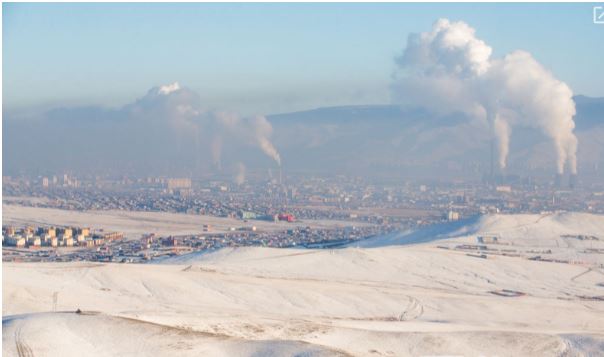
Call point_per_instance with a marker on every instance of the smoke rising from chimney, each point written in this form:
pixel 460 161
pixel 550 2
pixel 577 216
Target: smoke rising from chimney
pixel 181 108
pixel 448 69
pixel 255 130
pixel 216 150
pixel 502 132
pixel 239 173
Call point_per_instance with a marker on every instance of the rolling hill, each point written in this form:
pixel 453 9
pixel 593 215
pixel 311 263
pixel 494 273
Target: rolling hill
pixel 404 296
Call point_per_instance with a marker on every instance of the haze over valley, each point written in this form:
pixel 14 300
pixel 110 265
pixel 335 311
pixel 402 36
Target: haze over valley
pixel 302 180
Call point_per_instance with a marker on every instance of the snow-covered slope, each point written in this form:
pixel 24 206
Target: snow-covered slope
pixel 424 235
pixel 92 334
pixel 420 299
pixel 528 228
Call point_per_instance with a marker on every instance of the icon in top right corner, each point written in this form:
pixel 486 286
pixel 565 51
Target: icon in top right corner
pixel 598 14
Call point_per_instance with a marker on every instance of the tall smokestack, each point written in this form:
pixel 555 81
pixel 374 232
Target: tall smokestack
pixel 280 175
pixel 572 181
pixel 217 166
pixel 492 159
pixel 558 180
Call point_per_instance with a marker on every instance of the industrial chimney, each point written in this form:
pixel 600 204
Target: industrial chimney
pixel 558 180
pixel 572 181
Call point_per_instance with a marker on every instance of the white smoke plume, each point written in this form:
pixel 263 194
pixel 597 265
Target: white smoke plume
pixel 262 130
pixel 181 109
pixel 240 173
pixel 169 88
pixel 216 150
pixel 255 130
pixel 449 69
pixel 502 133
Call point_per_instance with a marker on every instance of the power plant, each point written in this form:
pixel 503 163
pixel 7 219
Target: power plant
pixel 559 181
pixel 572 181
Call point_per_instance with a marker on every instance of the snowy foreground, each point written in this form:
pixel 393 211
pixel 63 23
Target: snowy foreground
pixel 407 294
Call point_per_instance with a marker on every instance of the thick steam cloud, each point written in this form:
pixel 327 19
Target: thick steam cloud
pixel 448 69
pixel 255 130
pixel 181 109
pixel 166 131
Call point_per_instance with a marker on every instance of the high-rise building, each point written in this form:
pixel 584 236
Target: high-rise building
pixel 178 183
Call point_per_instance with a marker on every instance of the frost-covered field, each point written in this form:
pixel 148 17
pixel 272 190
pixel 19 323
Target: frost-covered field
pixel 399 295
pixel 133 224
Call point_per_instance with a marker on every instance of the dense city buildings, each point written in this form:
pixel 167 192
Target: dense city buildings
pixel 366 208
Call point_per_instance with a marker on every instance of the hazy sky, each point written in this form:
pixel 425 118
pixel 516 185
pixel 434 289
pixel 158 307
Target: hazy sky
pixel 264 58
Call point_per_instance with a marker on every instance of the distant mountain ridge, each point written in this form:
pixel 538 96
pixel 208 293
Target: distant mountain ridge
pixel 414 140
pixel 357 139
pixel 590 112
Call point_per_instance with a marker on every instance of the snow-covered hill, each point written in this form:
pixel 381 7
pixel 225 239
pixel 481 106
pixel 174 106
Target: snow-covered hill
pixel 427 298
pixel 93 334
pixel 531 229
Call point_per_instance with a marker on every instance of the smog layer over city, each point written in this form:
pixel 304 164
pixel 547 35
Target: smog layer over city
pixel 302 179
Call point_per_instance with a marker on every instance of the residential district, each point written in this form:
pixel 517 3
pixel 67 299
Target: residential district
pixel 366 208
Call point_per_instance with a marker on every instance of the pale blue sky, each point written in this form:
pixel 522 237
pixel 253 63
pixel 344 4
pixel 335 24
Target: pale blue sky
pixel 263 58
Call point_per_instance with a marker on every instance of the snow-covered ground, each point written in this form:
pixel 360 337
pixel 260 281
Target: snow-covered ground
pixel 90 334
pixel 133 224
pixel 405 294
